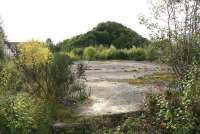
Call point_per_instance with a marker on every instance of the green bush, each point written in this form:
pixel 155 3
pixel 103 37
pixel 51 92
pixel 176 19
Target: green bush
pixel 173 109
pixel 20 114
pixel 102 55
pixel 72 56
pixel 63 81
pixel 111 53
pixel 32 87
pixel 78 51
pixel 49 76
pixel 33 53
pixel 122 54
pixel 159 49
pixel 137 54
pixel 10 77
pixel 107 53
pixel 152 53
pixel 90 53
pixel 33 84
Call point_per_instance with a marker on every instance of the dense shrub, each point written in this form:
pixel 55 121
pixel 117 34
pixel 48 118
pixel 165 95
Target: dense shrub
pixel 102 54
pixel 21 114
pixel 10 77
pixel 158 50
pixel 72 55
pixel 172 111
pixel 49 76
pixel 90 53
pixel 33 53
pixel 152 53
pixel 65 83
pixel 32 86
pixel 78 51
pixel 137 54
pixel 122 54
pixel 107 53
pixel 111 53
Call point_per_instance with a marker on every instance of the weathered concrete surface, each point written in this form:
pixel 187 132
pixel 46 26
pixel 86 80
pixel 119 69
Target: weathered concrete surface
pixel 108 94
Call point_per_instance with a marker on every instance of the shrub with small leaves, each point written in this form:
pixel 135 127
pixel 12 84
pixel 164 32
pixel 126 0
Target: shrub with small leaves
pixel 20 114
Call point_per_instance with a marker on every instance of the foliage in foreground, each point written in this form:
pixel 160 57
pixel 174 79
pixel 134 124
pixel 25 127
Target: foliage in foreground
pixel 33 85
pixel 50 75
pixel 173 111
pixel 21 114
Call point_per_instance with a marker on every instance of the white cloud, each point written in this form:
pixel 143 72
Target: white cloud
pixel 58 19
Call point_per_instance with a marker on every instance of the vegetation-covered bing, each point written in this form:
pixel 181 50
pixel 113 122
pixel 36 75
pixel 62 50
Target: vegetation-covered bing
pixel 106 34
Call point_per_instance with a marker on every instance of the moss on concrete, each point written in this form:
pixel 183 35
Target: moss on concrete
pixel 156 77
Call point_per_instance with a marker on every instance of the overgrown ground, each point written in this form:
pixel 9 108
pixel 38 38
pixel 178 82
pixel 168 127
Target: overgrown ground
pixel 117 95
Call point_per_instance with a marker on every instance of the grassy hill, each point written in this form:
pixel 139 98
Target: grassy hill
pixel 106 34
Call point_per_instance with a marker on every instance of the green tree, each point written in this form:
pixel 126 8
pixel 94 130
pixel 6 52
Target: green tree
pixel 177 21
pixel 47 75
pixel 50 44
pixel 2 40
pixel 89 53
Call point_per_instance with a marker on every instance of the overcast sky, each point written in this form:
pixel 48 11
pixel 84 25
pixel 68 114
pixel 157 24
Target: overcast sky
pixel 60 19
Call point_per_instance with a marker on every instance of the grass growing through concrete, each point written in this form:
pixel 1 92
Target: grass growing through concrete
pixel 156 77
